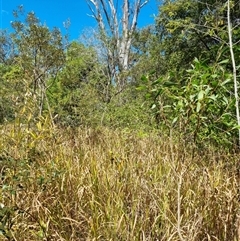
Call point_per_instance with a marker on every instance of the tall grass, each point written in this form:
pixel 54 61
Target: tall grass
pixel 102 184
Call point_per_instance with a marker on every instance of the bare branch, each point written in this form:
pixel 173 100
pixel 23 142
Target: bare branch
pixel 121 37
pixel 97 15
pixel 114 17
pixel 91 9
pixel 106 14
pixel 144 3
pixel 92 16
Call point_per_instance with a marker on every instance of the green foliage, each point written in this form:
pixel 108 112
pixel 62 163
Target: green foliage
pixel 11 91
pixel 200 106
pixel 7 50
pixel 40 56
pixel 206 105
pixel 30 56
pixel 74 94
pixel 195 100
pixel 126 111
pixel 188 29
pixel 81 94
pixel 38 48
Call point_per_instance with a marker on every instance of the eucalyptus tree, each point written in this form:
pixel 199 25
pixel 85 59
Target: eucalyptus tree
pixel 116 32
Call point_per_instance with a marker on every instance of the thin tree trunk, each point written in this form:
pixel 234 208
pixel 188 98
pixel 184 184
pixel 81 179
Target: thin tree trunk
pixel 234 69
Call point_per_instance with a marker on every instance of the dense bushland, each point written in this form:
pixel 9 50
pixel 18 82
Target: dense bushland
pixel 148 151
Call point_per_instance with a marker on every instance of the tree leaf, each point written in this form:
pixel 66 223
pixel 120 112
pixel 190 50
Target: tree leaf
pixel 174 120
pixel 198 106
pixel 200 95
pixel 225 61
pixel 153 106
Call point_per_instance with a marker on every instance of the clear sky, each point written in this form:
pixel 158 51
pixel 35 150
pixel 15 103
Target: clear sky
pixel 55 12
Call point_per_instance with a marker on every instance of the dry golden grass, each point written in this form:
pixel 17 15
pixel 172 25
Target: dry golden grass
pixel 102 184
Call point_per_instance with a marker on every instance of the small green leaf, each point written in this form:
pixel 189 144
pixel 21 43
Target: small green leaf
pixel 214 76
pixel 214 83
pixel 225 61
pixel 200 95
pixel 157 81
pixel 213 97
pixel 225 82
pixel 196 60
pixel 192 97
pixel 167 106
pixel 144 78
pixel 148 95
pixel 154 90
pixel 225 100
pixel 198 107
pixel 141 88
pixel 180 104
pixel 174 120
pixel 153 106
pixel 236 127
pixel 169 84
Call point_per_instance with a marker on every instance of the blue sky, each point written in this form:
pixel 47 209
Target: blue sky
pixel 55 12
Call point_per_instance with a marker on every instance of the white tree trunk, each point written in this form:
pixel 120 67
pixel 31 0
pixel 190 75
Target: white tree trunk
pixel 117 32
pixel 234 68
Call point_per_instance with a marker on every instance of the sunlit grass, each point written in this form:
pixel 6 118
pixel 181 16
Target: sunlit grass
pixel 102 184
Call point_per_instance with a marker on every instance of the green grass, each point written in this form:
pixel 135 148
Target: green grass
pixel 102 184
